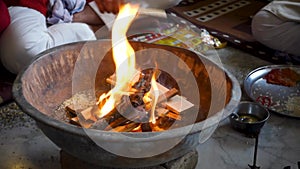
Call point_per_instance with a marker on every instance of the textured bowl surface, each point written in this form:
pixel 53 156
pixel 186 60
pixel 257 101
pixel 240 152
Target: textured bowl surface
pixel 42 87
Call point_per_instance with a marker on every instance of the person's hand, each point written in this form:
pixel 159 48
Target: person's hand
pixel 110 6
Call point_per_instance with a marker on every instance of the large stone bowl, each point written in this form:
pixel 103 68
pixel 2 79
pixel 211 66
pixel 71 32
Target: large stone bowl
pixel 57 74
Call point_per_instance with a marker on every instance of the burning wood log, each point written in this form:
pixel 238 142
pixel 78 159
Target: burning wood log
pixel 162 112
pixel 173 115
pixel 86 114
pixel 167 95
pixel 89 113
pixel 70 111
pixel 178 104
pixel 75 121
pixel 101 124
pixel 157 128
pixel 118 122
pixel 146 127
pixel 126 128
pixel 164 92
pixel 84 118
pixel 163 123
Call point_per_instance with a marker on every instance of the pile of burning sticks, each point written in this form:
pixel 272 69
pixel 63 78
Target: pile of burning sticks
pixel 133 113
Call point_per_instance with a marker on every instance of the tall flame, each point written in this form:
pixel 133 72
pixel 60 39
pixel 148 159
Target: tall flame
pixel 154 93
pixel 124 58
pixel 151 98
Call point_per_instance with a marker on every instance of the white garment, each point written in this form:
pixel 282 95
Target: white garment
pixel 28 35
pixel 286 10
pixel 277 26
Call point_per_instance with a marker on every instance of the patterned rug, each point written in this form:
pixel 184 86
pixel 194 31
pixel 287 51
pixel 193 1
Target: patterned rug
pixel 230 20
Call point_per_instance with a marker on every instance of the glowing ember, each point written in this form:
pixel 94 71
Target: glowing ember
pixel 124 58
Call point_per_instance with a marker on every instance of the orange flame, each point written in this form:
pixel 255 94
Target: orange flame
pixel 154 93
pixel 124 58
pixel 151 98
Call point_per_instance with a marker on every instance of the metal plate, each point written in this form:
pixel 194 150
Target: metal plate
pixel 281 99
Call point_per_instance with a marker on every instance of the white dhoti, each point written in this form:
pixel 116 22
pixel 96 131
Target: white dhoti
pixel 28 35
pixel 277 26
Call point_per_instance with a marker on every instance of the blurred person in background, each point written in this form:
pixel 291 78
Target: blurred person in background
pixel 277 26
pixel 30 27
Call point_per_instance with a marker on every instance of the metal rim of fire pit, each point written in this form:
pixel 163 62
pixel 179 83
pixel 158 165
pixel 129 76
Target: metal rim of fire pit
pixel 114 136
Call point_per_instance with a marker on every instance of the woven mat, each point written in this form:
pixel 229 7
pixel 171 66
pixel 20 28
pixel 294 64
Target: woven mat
pixel 230 20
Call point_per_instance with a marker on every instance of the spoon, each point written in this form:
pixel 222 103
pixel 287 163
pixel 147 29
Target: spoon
pixel 245 118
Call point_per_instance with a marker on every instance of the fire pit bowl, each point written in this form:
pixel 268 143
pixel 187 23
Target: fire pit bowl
pixel 56 74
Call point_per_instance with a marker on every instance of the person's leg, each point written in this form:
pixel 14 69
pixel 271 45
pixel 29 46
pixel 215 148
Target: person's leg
pixel 65 33
pixel 276 33
pixel 28 35
pixel 25 37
